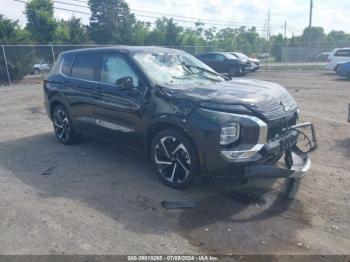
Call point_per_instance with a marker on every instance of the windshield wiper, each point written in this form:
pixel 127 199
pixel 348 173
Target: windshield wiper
pixel 205 70
pixel 198 75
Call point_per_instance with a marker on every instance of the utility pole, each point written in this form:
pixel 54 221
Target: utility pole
pixel 268 26
pixel 285 29
pixel 310 20
pixel 268 36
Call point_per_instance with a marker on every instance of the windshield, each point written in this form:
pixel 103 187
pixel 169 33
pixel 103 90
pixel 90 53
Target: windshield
pixel 241 55
pixel 174 69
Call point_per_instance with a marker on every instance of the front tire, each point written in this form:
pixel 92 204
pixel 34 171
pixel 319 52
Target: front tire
pixel 63 127
pixel 234 71
pixel 174 159
pixel 36 71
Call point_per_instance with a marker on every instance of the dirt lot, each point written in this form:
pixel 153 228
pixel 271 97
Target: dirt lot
pixel 100 198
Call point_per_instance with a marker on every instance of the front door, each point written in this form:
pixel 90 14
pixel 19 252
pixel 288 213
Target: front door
pixel 118 110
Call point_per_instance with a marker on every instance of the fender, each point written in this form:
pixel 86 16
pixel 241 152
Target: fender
pixel 54 98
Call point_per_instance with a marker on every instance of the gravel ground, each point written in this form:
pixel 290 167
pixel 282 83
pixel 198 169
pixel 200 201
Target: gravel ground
pixel 102 198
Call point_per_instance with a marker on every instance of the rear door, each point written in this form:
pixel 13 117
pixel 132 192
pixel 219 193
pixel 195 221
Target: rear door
pixel 118 111
pixel 80 83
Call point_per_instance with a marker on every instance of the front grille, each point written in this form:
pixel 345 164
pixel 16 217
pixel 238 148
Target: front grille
pixel 277 127
pixel 273 108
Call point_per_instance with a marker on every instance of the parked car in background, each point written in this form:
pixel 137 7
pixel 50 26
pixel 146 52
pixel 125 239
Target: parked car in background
pixel 225 63
pixel 40 68
pixel 323 56
pixel 343 69
pixel 338 56
pixel 263 56
pixel 254 63
pixel 313 57
pixel 189 119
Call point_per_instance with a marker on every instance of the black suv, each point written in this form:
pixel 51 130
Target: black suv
pixel 225 63
pixel 189 119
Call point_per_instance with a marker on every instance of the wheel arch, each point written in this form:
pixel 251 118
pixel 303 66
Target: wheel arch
pixel 55 101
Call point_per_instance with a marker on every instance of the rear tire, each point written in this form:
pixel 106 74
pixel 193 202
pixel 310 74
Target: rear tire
pixel 174 159
pixel 63 126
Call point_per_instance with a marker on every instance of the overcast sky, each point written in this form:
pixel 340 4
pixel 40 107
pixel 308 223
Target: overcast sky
pixel 330 14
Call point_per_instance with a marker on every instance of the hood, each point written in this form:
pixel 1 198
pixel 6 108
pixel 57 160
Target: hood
pixel 266 97
pixel 254 60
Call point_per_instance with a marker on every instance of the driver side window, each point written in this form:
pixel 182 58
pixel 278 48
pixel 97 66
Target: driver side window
pixel 219 57
pixel 115 67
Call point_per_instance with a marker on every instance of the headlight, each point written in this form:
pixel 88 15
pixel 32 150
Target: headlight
pixel 229 133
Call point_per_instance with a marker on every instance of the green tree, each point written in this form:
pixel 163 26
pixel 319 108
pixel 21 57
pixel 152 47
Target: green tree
pixel 317 35
pixel 19 59
pixel 140 32
pixel 277 46
pixel 40 20
pixel 71 31
pixel 165 33
pixel 111 22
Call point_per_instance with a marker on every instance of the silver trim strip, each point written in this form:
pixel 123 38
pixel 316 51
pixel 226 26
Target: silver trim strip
pixel 242 155
pixel 249 153
pixel 113 126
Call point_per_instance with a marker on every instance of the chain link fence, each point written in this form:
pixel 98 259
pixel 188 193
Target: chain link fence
pixel 17 61
pixel 305 52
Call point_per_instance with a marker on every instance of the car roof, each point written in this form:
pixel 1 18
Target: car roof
pixel 208 53
pixel 124 49
pixel 342 48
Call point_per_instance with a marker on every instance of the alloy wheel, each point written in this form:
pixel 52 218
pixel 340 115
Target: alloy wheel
pixel 172 160
pixel 61 124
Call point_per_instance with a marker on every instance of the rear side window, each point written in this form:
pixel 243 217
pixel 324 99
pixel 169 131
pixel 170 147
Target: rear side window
pixel 67 65
pixel 84 66
pixel 343 52
pixel 208 57
pixel 219 57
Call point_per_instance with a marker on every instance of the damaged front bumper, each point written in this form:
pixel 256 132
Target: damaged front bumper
pixel 300 165
pixel 296 159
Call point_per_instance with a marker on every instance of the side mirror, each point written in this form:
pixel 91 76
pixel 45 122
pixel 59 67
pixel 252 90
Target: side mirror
pixel 125 83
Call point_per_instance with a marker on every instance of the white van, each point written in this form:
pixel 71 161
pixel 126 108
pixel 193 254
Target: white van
pixel 339 55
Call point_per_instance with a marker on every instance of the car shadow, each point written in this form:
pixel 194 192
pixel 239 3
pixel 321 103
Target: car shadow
pixel 118 181
pixel 344 145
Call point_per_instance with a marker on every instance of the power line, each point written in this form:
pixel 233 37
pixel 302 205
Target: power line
pixel 141 15
pixel 166 14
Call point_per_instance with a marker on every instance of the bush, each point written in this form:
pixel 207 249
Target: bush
pixel 19 61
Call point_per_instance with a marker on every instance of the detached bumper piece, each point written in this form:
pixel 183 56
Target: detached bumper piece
pixel 300 165
pixel 297 162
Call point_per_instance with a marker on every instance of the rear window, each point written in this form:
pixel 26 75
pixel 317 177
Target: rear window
pixel 207 56
pixel 84 66
pixel 343 52
pixel 67 65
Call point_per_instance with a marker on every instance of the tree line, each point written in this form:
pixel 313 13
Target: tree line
pixel 112 22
